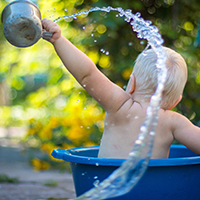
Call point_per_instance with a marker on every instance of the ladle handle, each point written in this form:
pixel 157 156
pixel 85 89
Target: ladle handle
pixel 47 35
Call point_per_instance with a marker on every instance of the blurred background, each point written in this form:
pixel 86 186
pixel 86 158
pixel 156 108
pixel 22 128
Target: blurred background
pixel 39 95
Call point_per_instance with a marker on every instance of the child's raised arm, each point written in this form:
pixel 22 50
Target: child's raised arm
pixel 109 95
pixel 186 133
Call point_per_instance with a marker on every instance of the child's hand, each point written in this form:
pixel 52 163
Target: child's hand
pixel 52 27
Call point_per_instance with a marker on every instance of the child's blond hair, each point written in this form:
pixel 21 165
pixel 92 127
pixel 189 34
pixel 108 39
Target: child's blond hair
pixel 145 72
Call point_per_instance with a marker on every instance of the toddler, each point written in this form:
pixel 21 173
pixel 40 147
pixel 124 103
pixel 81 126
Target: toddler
pixel 126 110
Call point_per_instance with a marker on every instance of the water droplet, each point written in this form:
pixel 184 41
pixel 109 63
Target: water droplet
pixel 121 14
pixel 92 35
pixel 65 9
pixel 97 164
pixel 152 133
pixel 95 41
pixel 83 174
pixel 102 50
pixel 96 183
pixel 117 15
pixel 127 19
pixel 132 154
pixel 141 137
pixel 88 127
pixel 83 28
pixel 138 142
pixel 130 44
pixel 85 12
pixel 84 85
pixel 143 128
pixel 124 87
pixel 128 11
pixel 138 14
pixel 148 22
pixel 85 108
pixel 78 101
pixel 107 53
pixel 144 53
pixel 119 9
pixel 96 177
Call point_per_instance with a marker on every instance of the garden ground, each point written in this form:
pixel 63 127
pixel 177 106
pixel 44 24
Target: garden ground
pixel 21 181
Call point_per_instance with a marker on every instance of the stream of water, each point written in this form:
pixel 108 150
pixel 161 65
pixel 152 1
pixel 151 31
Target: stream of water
pixel 124 178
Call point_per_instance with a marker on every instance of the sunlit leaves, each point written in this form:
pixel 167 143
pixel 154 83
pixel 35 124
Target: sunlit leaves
pixel 104 61
pixel 169 2
pixel 94 56
pixel 188 26
pixel 40 164
pixel 18 83
pixel 101 29
pixel 126 73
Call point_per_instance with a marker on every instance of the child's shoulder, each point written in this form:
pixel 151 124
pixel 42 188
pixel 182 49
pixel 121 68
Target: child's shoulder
pixel 174 118
pixel 170 114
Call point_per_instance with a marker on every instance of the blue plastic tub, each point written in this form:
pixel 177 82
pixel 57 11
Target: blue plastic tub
pixel 175 178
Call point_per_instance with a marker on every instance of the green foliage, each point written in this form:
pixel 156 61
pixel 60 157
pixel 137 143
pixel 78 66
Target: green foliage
pixel 6 179
pixel 51 183
pixel 46 98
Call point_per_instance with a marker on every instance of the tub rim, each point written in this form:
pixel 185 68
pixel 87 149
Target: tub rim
pixel 68 155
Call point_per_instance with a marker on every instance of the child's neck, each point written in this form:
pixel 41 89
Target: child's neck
pixel 140 98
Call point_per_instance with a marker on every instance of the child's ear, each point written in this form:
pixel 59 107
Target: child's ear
pixel 133 84
pixel 178 100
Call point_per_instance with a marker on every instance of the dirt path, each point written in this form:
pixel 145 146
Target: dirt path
pixel 31 185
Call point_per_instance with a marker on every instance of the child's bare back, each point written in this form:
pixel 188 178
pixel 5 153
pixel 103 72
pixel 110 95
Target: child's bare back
pixel 122 128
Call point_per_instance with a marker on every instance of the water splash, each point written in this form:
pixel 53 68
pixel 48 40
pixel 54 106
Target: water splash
pixel 124 178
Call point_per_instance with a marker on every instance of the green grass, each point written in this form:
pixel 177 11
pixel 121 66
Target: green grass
pixel 6 179
pixel 51 183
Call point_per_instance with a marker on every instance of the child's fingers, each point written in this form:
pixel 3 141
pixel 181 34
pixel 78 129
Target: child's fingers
pixel 44 23
pixel 52 27
pixel 48 25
